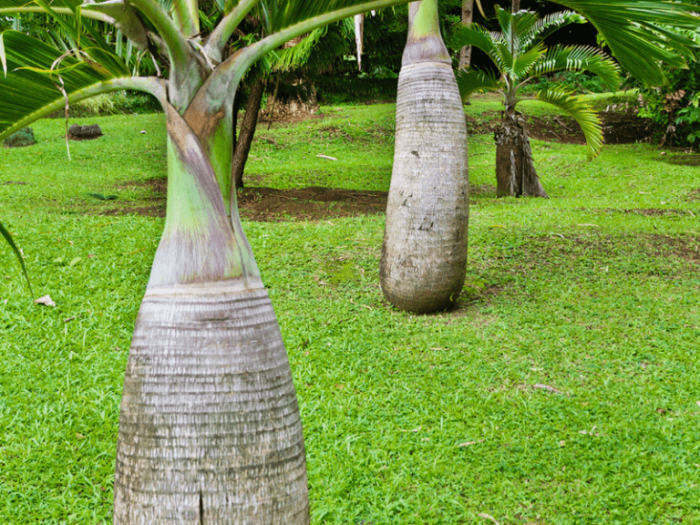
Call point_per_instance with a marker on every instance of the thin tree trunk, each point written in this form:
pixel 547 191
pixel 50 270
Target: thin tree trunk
pixel 236 111
pixel 515 168
pixel 209 431
pixel 465 54
pixel 245 139
pixel 515 6
pixel 424 253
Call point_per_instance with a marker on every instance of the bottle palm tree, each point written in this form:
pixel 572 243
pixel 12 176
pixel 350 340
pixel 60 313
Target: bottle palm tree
pixel 209 429
pixel 424 253
pixel 519 53
pixel 425 240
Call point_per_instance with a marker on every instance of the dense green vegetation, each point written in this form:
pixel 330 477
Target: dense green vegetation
pixel 408 419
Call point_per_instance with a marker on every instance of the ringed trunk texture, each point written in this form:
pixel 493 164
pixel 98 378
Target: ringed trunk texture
pixel 424 254
pixel 515 168
pixel 209 430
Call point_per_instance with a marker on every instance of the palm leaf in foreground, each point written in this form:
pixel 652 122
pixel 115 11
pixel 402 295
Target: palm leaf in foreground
pixel 581 111
pixel 635 32
pixel 8 237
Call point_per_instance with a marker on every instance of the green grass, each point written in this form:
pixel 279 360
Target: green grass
pixel 585 292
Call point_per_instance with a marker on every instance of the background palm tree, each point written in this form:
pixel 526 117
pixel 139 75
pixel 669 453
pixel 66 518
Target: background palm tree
pixel 519 53
pixel 209 428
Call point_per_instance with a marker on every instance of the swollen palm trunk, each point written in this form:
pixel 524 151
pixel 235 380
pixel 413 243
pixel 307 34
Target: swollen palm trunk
pixel 209 432
pixel 424 254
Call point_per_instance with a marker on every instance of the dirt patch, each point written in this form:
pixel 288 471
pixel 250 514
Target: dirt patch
pixel 620 126
pixel 682 160
pixel 609 247
pixel 694 195
pixel 268 204
pixel 273 205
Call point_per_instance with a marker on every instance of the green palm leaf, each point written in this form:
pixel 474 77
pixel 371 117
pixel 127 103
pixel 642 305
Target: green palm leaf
pixel 579 58
pixel 31 89
pixel 525 61
pixel 475 80
pixel 550 23
pixel 635 34
pixel 286 13
pixel 582 112
pixel 6 235
pixel 479 37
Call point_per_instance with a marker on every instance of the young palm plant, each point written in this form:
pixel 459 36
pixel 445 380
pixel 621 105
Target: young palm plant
pixel 519 53
pixel 209 431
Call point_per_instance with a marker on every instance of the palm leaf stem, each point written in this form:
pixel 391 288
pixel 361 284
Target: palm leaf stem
pixel 217 40
pixel 186 17
pixel 255 51
pixel 87 13
pixel 181 53
pixel 6 234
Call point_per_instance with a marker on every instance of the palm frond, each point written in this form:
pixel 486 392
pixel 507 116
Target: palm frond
pixel 32 87
pixel 550 23
pixel 632 30
pixel 582 112
pixel 524 62
pixel 477 36
pixel 579 58
pixel 471 81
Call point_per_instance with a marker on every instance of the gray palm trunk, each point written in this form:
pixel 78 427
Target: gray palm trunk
pixel 465 54
pixel 209 432
pixel 424 253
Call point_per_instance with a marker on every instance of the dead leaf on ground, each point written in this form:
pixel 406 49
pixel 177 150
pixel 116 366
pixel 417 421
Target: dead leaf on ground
pixel 46 301
pixel 488 517
pixel 470 443
pixel 414 430
pixel 547 388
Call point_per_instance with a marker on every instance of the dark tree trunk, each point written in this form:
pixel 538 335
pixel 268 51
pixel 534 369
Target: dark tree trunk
pixel 515 169
pixel 236 111
pixel 245 138
pixel 465 54
pixel 515 6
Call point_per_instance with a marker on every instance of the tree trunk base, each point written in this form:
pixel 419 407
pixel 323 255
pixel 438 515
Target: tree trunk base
pixel 515 169
pixel 209 431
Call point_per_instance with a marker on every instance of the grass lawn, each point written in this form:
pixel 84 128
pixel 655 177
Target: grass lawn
pixel 562 390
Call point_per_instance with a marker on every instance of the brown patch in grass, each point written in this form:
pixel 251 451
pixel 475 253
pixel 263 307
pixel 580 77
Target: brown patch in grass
pixel 273 205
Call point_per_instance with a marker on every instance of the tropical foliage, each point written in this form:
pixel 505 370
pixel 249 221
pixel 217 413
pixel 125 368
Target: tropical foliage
pixel 519 53
pixel 209 428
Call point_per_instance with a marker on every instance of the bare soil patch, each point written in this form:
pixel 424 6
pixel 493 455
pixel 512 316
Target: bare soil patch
pixel 273 205
pixel 685 247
